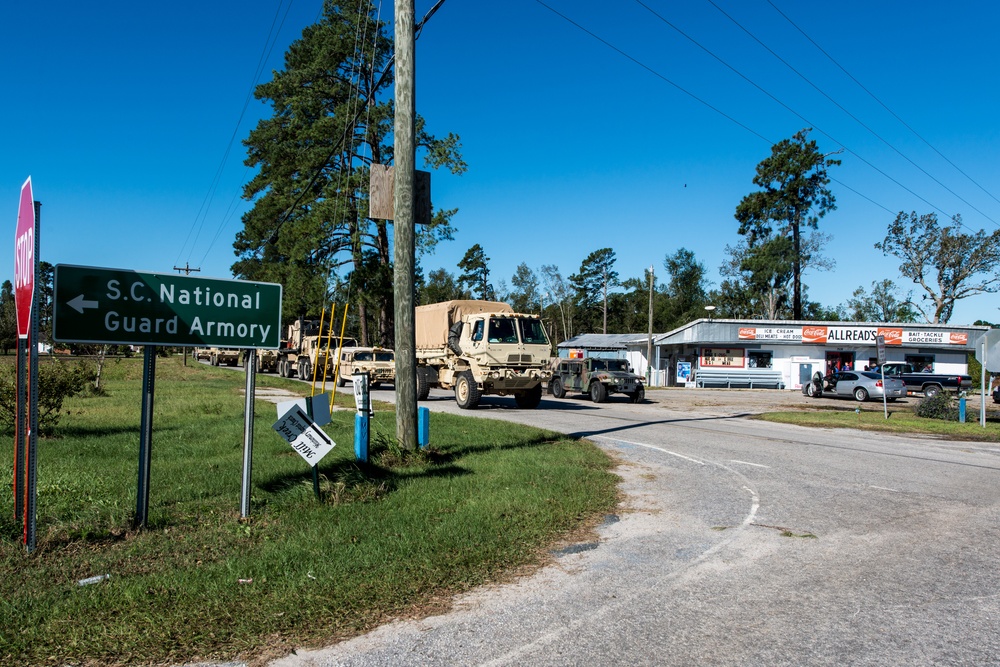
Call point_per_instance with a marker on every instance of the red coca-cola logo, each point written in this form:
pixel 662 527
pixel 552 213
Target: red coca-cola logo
pixel 959 338
pixel 814 334
pixel 748 333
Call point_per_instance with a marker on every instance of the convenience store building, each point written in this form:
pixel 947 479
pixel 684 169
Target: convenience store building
pixel 785 354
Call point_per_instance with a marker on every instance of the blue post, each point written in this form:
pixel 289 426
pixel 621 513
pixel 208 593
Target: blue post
pixel 361 437
pixel 961 409
pixel 423 427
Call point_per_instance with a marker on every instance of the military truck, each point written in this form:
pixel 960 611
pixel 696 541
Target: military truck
pixel 267 360
pixel 597 377
pixel 480 348
pixel 304 349
pixel 378 362
pixel 202 354
pixel 230 356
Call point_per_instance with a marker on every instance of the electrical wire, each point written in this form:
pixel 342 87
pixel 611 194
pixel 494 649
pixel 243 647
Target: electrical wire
pixel 848 113
pixel 202 214
pixel 796 113
pixel 733 120
pixel 880 102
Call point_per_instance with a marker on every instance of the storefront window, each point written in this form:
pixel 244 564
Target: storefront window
pixel 759 359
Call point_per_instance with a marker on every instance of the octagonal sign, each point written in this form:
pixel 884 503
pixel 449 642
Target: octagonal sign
pixel 24 260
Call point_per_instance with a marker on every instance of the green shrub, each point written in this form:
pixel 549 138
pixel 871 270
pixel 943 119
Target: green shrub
pixel 939 406
pixel 57 380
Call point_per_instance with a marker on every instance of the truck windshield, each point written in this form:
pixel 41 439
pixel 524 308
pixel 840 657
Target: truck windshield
pixel 502 330
pixel 532 332
pixel 383 356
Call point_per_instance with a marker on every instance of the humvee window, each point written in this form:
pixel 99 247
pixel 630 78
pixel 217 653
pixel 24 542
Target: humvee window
pixel 477 330
pixel 617 365
pixel 532 332
pixel 383 356
pixel 363 356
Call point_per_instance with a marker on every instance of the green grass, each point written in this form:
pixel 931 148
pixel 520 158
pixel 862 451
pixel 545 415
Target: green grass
pixel 389 538
pixel 871 417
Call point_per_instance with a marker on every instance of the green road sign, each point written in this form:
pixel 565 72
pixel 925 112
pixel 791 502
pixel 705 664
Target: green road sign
pixel 118 306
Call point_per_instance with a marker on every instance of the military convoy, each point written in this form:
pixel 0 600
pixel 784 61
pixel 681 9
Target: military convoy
pixel 217 356
pixel 479 348
pixel 305 349
pixel 597 377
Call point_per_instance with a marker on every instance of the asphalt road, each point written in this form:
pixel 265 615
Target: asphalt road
pixel 739 543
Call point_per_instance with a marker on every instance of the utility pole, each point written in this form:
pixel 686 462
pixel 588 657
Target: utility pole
pixel 403 227
pixel 649 344
pixel 187 271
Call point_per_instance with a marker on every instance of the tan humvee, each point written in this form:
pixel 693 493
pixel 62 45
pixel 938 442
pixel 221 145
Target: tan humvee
pixel 378 362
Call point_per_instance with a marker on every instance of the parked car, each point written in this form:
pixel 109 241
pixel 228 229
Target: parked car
pixel 861 385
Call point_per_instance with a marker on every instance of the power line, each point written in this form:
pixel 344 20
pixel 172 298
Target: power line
pixel 790 109
pixel 730 118
pixel 881 103
pixel 202 214
pixel 851 115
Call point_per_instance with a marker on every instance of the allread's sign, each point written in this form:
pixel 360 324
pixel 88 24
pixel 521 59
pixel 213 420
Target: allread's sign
pixel 826 335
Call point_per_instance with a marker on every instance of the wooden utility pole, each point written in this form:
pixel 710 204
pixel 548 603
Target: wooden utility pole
pixel 403 228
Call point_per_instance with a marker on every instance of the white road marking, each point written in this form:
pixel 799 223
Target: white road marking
pixel 747 463
pixel 642 444
pixel 882 488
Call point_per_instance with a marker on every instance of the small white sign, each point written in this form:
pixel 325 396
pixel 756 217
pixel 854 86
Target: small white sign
pixel 362 399
pixel 305 437
pixel 320 407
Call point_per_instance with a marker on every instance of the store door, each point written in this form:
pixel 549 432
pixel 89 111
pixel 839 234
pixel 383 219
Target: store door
pixel 839 361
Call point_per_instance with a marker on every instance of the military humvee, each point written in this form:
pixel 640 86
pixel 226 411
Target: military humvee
pixel 378 362
pixel 597 377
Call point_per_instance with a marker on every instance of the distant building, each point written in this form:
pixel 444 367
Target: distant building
pixel 777 353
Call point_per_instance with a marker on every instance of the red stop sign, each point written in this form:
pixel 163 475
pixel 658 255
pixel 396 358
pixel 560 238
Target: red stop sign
pixel 24 260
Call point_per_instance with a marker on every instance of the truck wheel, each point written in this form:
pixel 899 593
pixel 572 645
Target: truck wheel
pixel 598 394
pixel 530 399
pixel 932 390
pixel 638 395
pixel 558 390
pixel 305 372
pixel 341 381
pixel 286 368
pixel 466 392
pixel 423 386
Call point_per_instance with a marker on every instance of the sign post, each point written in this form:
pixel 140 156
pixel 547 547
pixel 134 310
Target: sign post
pixel 125 307
pixel 26 245
pixel 988 354
pixel 880 345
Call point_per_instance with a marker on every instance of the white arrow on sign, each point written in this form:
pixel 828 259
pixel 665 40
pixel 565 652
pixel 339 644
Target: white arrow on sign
pixel 79 303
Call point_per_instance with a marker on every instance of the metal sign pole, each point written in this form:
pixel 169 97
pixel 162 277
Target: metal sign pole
pixel 982 392
pixel 250 358
pixel 31 460
pixel 20 430
pixel 145 434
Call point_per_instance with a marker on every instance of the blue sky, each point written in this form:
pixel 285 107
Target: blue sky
pixel 129 118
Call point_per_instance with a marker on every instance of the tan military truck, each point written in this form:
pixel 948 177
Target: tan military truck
pixel 304 349
pixel 378 362
pixel 217 356
pixel 202 354
pixel 479 348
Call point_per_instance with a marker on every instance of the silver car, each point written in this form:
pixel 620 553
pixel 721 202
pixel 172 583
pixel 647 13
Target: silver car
pixel 863 385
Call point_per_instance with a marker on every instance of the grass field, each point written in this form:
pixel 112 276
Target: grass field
pixel 901 419
pixel 392 537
